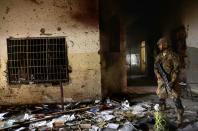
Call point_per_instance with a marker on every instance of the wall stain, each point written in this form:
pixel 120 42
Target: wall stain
pixel 7 10
pixel 88 14
pixel 38 2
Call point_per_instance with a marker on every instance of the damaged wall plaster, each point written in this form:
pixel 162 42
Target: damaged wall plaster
pixel 70 18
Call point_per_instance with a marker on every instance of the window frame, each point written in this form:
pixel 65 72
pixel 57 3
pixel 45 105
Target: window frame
pixel 50 69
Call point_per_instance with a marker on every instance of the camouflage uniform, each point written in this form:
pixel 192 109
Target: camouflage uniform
pixel 171 65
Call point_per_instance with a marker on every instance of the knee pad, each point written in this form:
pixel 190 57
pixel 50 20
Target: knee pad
pixel 178 103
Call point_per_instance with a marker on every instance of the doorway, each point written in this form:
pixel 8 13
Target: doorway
pixel 137 66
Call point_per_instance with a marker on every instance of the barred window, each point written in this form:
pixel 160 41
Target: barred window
pixel 37 60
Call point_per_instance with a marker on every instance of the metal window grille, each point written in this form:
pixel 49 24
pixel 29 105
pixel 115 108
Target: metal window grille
pixel 37 60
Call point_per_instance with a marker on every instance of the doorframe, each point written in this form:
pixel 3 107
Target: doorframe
pixel 125 88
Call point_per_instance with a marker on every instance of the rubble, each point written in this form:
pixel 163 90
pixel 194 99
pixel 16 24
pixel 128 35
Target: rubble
pixel 1 116
pixel 190 127
pixel 86 115
pixel 112 125
pixel 128 127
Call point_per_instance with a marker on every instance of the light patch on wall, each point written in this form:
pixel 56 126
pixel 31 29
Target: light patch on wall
pixel 190 19
pixel 133 59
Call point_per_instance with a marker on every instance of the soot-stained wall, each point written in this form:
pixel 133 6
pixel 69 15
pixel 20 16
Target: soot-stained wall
pixel 77 20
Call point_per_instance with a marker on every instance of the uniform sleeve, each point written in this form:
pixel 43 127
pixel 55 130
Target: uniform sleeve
pixel 155 64
pixel 175 70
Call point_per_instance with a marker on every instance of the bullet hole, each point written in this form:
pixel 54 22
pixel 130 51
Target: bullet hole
pixel 42 30
pixel 72 43
pixel 58 28
pixel 7 10
pixel 3 17
pixel 34 10
pixel 86 32
pixel 82 86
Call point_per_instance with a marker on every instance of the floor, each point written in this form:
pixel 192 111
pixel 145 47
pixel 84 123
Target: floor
pixel 123 112
pixel 140 80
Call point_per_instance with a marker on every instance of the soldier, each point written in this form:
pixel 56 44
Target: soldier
pixel 170 64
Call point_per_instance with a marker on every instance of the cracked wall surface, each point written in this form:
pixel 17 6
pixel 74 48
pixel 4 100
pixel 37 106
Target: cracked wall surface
pixel 77 20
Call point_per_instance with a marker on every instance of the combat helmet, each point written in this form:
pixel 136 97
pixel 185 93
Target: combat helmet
pixel 164 41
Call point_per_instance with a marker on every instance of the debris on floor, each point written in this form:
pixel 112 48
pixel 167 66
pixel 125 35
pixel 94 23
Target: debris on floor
pixel 88 115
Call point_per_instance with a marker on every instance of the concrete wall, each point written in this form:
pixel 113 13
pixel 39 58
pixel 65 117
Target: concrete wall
pixel 190 19
pixel 77 20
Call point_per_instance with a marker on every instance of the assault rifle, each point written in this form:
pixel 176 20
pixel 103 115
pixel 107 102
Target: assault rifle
pixel 164 77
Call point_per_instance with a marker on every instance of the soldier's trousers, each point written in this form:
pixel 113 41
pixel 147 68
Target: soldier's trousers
pixel 175 93
pixel 161 92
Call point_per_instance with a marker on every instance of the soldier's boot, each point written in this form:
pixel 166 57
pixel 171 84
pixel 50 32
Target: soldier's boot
pixel 180 111
pixel 162 103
